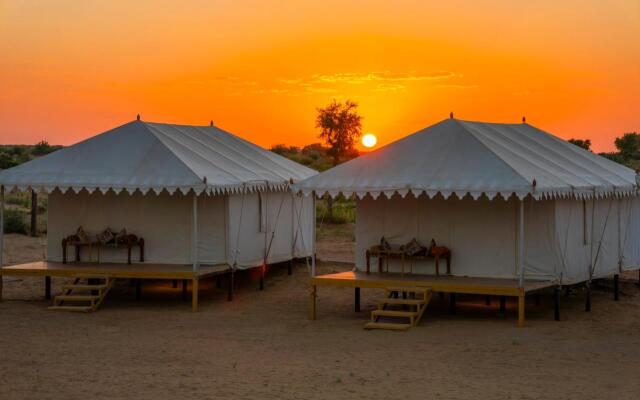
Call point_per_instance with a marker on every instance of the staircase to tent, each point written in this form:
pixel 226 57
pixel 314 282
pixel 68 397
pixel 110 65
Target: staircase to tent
pixel 403 312
pixel 85 294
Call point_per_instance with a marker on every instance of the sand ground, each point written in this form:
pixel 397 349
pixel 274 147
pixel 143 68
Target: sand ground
pixel 261 346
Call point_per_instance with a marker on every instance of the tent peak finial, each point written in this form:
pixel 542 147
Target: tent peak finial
pixel 138 117
pixel 451 115
pixel 524 120
pixel 211 123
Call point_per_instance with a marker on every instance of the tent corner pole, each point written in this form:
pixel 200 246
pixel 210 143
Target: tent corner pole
pixel 313 241
pixel 1 235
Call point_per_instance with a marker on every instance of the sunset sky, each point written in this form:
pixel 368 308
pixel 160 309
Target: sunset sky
pixel 71 69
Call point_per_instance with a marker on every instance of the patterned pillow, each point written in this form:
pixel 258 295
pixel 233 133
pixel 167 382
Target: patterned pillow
pixel 106 236
pixel 122 234
pixel 82 235
pixel 413 247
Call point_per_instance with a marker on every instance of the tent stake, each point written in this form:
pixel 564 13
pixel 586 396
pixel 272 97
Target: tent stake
pixel 616 287
pixel 357 299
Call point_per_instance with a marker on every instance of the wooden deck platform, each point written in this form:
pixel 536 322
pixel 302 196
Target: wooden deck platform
pixel 118 271
pixel 443 284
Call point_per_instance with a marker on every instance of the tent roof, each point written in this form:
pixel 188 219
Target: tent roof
pixel 477 158
pixel 151 156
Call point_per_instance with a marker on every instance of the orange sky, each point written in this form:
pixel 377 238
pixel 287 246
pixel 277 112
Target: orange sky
pixel 71 69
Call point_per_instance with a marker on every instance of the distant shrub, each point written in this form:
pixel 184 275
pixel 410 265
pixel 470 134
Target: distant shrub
pixel 14 221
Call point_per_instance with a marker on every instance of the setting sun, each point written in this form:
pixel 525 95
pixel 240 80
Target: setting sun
pixel 369 140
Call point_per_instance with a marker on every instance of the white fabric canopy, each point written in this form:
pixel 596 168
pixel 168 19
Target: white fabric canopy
pixel 477 158
pixel 151 156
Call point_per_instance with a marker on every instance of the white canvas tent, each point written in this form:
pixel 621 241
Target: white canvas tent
pixel 196 194
pixel 509 200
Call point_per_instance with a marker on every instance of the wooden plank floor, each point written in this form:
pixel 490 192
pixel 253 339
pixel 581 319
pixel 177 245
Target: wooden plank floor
pixel 442 283
pixel 127 271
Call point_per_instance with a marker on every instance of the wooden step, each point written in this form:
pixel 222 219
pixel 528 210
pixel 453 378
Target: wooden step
pixel 76 297
pixel 409 289
pixel 84 287
pixel 407 302
pixel 394 313
pixel 71 308
pixel 387 325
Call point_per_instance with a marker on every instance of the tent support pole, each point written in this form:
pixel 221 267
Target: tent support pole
pixel 194 236
pixel 521 243
pixel 587 305
pixel 452 303
pixel 34 213
pixel 138 289
pixel 521 304
pixel 230 293
pixel 194 294
pixel 263 269
pixel 47 287
pixel 1 236
pixel 556 303
pixel 616 287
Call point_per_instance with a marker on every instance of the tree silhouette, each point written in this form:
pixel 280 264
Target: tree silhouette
pixel 340 127
pixel 583 143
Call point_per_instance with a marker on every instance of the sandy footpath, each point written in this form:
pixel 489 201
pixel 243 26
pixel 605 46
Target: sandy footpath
pixel 261 346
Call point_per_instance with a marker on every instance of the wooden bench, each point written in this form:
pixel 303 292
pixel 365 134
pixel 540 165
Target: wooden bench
pixel 127 242
pixel 435 253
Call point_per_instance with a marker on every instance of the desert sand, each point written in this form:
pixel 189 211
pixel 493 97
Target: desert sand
pixel 261 345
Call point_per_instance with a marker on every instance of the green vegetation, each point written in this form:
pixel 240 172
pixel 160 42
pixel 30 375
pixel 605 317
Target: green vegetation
pixel 314 156
pixel 628 146
pixel 16 154
pixel 344 211
pixel 15 221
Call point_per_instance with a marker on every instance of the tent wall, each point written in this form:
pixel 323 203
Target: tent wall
pixel 599 235
pixel 265 216
pixel 481 233
pixel 630 233
pixel 164 221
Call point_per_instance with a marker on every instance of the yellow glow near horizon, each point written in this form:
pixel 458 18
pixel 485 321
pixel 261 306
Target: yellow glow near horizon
pixel 369 140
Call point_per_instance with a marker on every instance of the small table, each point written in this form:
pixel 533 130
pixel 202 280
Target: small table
pixel 381 253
